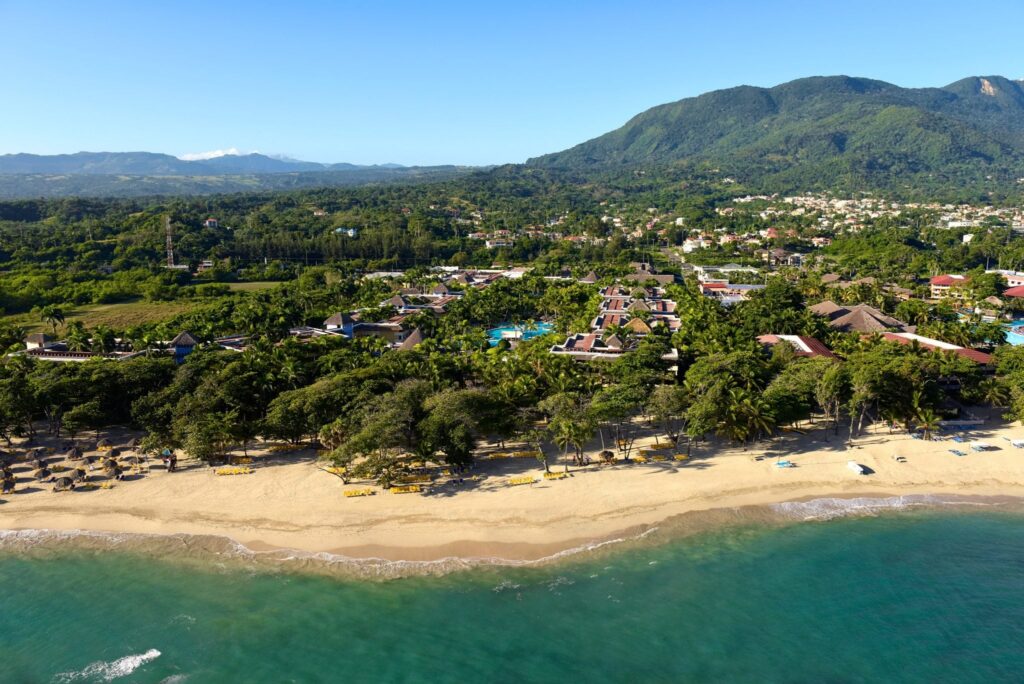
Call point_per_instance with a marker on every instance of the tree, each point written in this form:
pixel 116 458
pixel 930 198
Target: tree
pixel 667 404
pixel 52 316
pixel 570 424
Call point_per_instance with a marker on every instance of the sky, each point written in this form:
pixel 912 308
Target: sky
pixel 442 82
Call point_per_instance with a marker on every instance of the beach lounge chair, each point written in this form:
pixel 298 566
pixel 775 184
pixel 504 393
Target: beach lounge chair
pixel 1019 443
pixel 555 476
pixel 785 464
pixel 359 492
pixel 957 452
pixel 525 480
pixel 959 439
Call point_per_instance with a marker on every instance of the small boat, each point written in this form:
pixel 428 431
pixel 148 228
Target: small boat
pixel 857 467
pixel 785 464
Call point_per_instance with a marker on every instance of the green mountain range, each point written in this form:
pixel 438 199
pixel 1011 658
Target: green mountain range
pixel 826 130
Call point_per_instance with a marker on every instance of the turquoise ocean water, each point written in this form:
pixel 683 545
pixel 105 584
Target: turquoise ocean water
pixel 925 596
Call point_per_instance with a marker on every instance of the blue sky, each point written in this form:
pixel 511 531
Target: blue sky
pixel 441 82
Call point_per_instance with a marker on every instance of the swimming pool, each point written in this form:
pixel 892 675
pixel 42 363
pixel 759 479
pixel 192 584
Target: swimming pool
pixel 1015 338
pixel 518 332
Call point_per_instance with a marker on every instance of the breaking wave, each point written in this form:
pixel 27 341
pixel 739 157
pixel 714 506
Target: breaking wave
pixel 829 508
pixel 107 672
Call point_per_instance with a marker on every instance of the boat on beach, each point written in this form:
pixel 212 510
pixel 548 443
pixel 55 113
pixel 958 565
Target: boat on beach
pixel 857 467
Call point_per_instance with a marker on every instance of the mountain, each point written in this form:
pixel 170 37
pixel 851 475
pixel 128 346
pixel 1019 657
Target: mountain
pixel 824 128
pixel 153 164
pixel 134 174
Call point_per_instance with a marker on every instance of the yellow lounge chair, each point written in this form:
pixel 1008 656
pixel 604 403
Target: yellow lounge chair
pixel 640 459
pixel 407 489
pixel 555 476
pixel 680 457
pixel 359 492
pixel 515 481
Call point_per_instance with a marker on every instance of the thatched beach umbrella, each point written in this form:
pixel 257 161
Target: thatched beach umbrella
pixel 132 460
pixel 104 444
pixel 41 474
pixel 114 452
pixel 63 484
pixel 132 443
pixel 79 475
pixel 73 454
pixel 38 464
pixel 110 464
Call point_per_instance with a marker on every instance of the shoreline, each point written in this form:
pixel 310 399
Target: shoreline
pixel 290 510
pixel 384 563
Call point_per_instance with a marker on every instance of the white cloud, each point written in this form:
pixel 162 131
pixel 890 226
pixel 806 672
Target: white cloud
pixel 212 154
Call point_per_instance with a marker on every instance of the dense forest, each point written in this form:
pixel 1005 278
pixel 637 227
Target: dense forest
pixel 365 403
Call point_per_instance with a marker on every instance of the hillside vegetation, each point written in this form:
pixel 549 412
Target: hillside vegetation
pixel 827 131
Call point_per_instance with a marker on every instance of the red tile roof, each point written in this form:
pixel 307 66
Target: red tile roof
pixel 927 343
pixel 948 280
pixel 1014 291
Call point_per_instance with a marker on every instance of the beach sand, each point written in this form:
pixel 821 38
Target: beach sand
pixel 289 502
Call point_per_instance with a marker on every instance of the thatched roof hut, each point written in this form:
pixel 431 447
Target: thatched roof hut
pixel 63 484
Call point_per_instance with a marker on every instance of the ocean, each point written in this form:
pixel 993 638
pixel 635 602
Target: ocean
pixel 920 595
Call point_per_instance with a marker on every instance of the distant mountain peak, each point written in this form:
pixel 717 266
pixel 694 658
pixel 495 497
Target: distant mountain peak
pixel 212 154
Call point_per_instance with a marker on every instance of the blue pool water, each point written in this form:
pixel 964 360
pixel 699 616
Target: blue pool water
pixel 1012 337
pixel 522 332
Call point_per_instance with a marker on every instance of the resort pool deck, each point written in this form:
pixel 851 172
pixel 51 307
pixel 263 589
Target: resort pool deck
pixel 518 332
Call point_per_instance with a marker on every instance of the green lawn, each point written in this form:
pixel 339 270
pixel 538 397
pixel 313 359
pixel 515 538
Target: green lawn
pixel 116 316
pixel 249 287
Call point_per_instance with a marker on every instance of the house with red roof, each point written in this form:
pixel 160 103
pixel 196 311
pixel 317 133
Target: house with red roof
pixel 803 346
pixel 981 358
pixel 948 286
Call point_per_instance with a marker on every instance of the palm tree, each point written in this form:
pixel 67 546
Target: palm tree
pixel 928 421
pixel 52 316
pixel 77 336
pixel 994 392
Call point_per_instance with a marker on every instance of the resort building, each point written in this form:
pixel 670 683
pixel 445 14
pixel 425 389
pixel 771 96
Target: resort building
pixel 978 357
pixel 948 286
pixel 802 345
pixel 857 318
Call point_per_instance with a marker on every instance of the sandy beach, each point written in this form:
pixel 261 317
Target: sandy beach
pixel 290 502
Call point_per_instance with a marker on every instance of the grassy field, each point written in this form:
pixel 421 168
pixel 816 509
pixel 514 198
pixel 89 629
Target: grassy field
pixel 116 316
pixel 249 287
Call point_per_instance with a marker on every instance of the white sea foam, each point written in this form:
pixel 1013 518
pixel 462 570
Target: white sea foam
pixel 107 672
pixel 829 508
